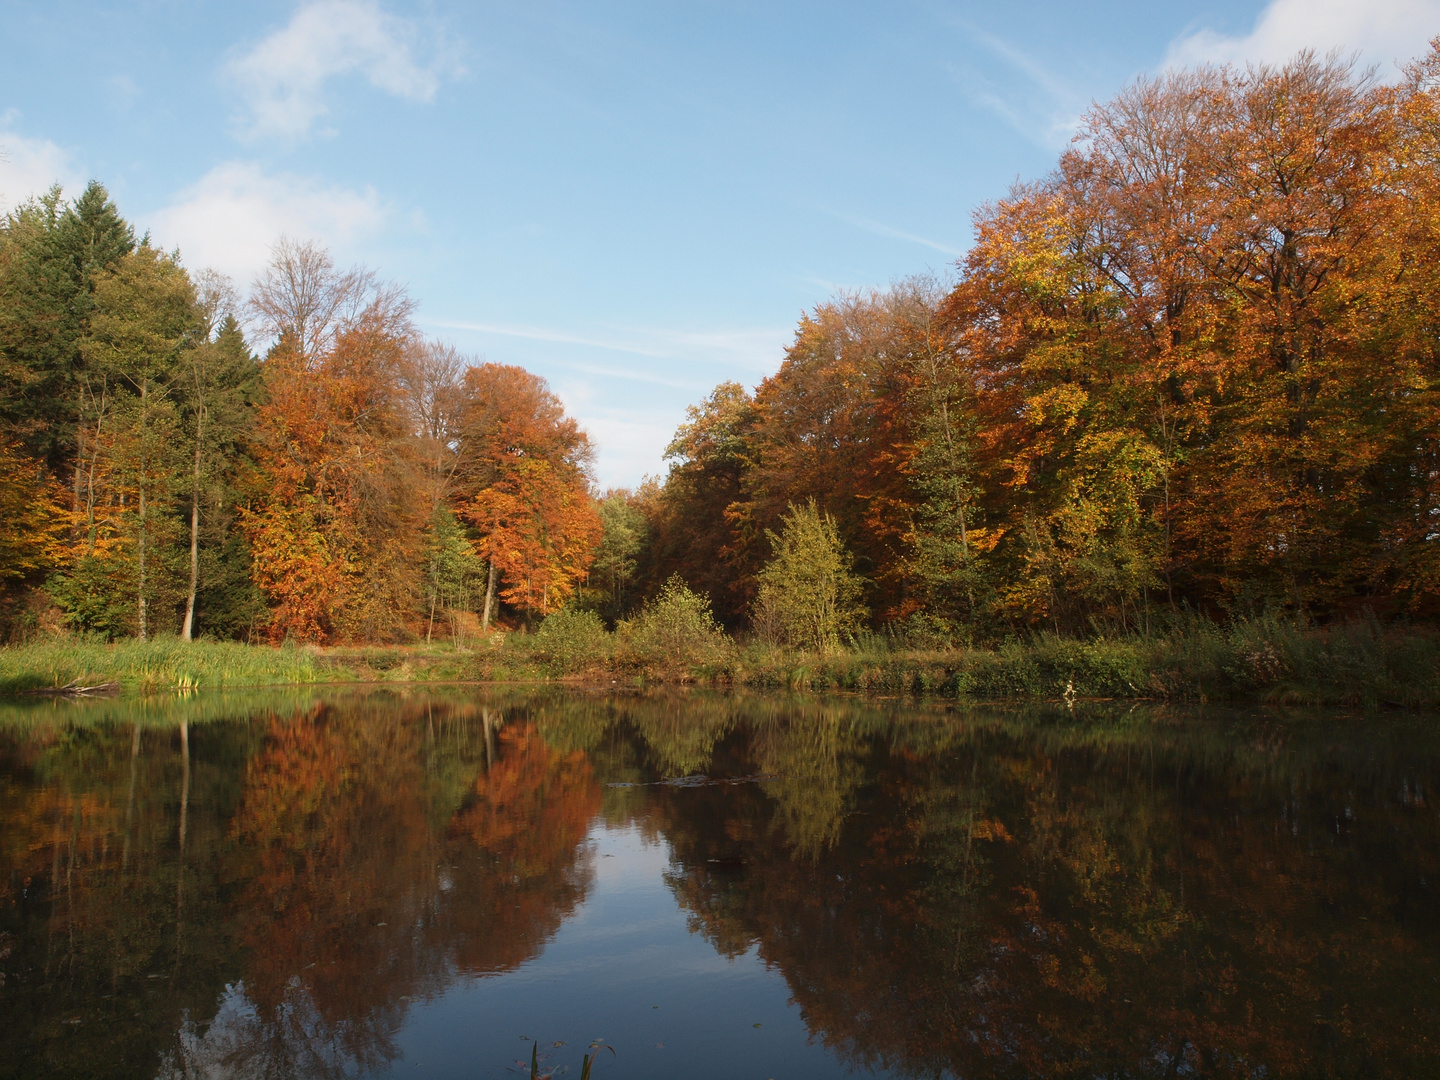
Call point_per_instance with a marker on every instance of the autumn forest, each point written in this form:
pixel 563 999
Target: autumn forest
pixel 1195 369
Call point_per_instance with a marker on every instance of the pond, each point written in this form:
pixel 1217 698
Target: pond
pixel 433 882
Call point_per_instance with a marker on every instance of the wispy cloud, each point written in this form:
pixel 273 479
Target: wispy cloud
pixel 29 166
pixel 1030 96
pixel 234 214
pixel 540 333
pixel 757 350
pixel 1037 73
pixel 1387 33
pixel 880 229
pixel 630 426
pixel 283 76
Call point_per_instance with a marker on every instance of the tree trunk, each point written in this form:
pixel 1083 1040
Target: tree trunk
pixel 80 454
pixel 90 463
pixel 187 631
pixel 489 598
pixel 141 593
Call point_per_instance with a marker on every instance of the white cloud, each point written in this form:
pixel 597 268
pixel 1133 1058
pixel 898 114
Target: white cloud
pixel 283 77
pixel 630 443
pixel 1387 33
pixel 30 166
pixel 231 218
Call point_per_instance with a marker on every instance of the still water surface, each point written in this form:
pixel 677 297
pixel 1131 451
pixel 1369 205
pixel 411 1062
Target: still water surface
pixel 413 885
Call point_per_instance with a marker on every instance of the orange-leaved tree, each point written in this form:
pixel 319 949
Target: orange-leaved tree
pixel 335 516
pixel 1198 350
pixel 522 482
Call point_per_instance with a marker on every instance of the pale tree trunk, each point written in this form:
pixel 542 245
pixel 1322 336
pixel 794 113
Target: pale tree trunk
pixel 81 451
pixel 87 450
pixel 489 599
pixel 91 464
pixel 187 631
pixel 141 594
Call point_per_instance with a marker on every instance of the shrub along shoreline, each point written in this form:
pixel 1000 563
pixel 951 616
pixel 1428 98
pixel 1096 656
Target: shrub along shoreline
pixel 1261 660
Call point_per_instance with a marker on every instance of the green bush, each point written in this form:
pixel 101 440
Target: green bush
pixel 571 641
pixel 674 636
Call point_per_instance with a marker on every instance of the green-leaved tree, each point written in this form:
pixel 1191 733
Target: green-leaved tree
pixel 809 595
pixel 454 574
pixel 613 571
pixel 145 316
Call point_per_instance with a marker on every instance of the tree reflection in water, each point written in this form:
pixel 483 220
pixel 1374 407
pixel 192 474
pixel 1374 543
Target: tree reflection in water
pixel 347 859
pixel 263 892
pixel 1086 899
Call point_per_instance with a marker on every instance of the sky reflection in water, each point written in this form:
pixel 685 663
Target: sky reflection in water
pixel 396 884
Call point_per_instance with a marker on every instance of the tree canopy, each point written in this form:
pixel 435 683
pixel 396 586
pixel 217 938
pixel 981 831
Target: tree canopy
pixel 1193 367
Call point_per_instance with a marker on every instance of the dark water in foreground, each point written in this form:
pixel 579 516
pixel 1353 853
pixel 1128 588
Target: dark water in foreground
pixel 411 886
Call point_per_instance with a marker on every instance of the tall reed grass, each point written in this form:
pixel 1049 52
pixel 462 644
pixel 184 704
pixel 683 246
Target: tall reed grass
pixel 171 664
pixel 167 663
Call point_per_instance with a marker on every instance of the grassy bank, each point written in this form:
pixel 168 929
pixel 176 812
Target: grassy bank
pixel 171 664
pixel 1273 664
pixel 1264 660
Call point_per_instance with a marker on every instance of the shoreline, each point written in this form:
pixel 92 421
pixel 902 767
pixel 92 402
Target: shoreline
pixel 1265 663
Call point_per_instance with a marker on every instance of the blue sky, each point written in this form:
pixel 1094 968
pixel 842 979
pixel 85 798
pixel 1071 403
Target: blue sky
pixel 634 200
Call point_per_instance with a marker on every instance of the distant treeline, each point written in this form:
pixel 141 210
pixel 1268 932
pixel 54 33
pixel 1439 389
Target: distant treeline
pixel 1195 368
